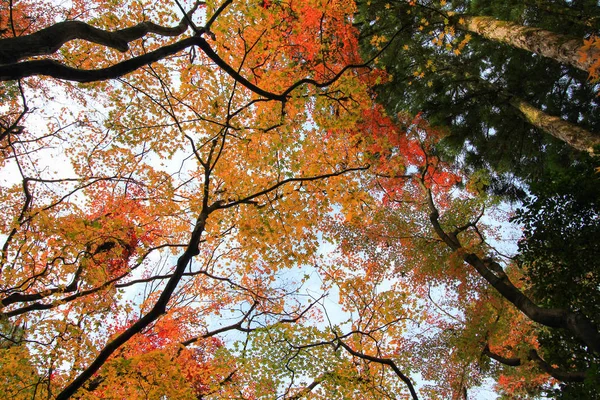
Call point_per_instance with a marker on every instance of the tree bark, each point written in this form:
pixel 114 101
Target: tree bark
pixel 564 49
pixel 575 136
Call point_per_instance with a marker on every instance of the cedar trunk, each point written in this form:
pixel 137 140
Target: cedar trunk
pixel 575 136
pixel 564 49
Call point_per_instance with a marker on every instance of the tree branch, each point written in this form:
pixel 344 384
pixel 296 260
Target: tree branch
pixel 386 361
pixel 576 323
pixel 50 39
pixel 157 310
pixel 564 376
pixel 248 199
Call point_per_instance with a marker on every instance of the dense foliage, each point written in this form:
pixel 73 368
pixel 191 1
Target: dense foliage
pixel 469 83
pixel 279 199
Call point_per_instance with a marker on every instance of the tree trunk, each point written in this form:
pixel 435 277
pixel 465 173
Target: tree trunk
pixel 575 136
pixel 564 49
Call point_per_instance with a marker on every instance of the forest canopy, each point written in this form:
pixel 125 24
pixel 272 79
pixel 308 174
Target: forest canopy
pixel 274 199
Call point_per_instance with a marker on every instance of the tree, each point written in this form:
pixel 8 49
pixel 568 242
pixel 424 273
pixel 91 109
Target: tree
pixel 208 152
pixel 539 41
pixel 236 124
pixel 481 86
pixel 442 71
pixel 441 246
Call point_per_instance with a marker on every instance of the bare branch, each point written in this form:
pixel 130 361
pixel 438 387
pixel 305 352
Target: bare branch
pixel 386 361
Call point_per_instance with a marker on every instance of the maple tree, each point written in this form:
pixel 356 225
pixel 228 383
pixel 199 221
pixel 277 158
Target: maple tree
pixel 450 83
pixel 432 248
pixel 171 174
pixel 236 125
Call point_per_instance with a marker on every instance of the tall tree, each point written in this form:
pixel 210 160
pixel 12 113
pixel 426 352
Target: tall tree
pixel 564 49
pixel 481 85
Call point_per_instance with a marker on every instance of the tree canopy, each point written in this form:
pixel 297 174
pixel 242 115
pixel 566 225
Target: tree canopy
pixel 276 199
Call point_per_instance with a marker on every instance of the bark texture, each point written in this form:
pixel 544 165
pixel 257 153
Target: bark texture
pixel 564 49
pixel 574 135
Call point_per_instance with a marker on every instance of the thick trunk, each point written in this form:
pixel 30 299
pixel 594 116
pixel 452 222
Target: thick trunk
pixel 564 49
pixel 575 136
